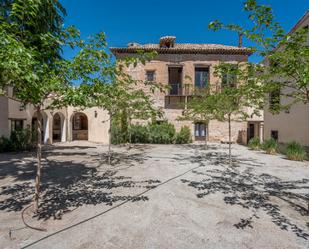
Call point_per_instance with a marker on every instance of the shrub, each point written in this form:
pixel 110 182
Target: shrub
pixel 254 143
pixel 5 144
pixel 163 133
pixel 294 151
pixel 184 136
pixel 270 146
pixel 117 135
pixel 139 134
pixel 19 140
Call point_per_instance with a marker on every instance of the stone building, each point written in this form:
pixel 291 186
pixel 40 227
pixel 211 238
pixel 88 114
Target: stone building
pixel 291 125
pixel 184 67
pixel 58 125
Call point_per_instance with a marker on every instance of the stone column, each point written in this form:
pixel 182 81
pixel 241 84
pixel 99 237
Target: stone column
pixel 261 132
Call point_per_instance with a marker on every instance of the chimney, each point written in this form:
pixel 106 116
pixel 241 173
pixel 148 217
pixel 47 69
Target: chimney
pixel 167 41
pixel 240 40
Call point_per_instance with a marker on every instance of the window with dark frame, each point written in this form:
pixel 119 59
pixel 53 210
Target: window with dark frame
pixel 201 77
pixel 274 134
pixel 229 79
pixel 150 75
pixel 200 129
pixel 17 124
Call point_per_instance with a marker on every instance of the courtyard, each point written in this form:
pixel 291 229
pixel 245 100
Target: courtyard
pixel 155 196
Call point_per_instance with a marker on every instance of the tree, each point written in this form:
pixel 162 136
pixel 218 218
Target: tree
pixel 32 34
pixel 124 99
pixel 286 56
pixel 199 108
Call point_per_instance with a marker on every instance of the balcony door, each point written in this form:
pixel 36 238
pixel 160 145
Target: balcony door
pixel 175 80
pixel 201 77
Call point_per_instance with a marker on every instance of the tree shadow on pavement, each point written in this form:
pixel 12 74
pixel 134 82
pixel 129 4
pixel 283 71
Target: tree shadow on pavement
pixel 255 192
pixel 67 185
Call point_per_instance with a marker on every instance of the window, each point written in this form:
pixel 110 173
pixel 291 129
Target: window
pixel 274 99
pixel 201 77
pixel 200 130
pixel 17 124
pixel 150 76
pixel 274 134
pixel 229 78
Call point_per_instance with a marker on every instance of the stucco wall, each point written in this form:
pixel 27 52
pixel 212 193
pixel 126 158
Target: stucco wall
pixel 4 122
pixel 294 124
pixel 98 120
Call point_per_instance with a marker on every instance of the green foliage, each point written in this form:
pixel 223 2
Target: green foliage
pixel 295 151
pixel 117 135
pixel 5 144
pixel 184 136
pixel 20 140
pixel 140 134
pixel 270 146
pixel 163 133
pixel 286 55
pixel 254 143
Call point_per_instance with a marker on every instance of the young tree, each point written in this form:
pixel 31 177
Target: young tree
pixel 31 62
pixel 30 57
pixel 240 95
pixel 199 108
pixel 286 56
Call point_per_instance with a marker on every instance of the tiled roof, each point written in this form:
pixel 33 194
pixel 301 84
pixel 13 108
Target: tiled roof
pixel 185 48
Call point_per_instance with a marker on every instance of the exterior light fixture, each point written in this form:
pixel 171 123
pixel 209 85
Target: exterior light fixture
pixel 95 114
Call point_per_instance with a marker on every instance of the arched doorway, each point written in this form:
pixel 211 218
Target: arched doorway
pixel 57 128
pixel 45 126
pixel 80 126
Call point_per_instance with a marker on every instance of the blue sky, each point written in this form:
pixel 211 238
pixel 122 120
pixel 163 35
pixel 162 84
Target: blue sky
pixel 141 21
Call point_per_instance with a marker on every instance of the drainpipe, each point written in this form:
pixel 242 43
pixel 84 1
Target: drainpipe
pixel 240 40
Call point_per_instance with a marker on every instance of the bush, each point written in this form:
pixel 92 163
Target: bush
pixel 20 140
pixel 184 136
pixel 139 134
pixel 294 151
pixel 117 135
pixel 270 146
pixel 5 144
pixel 163 133
pixel 254 143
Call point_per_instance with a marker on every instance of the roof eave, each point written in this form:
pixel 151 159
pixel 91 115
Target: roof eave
pixel 244 51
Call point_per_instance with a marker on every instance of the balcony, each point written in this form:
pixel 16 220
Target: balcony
pixel 180 90
pixel 180 94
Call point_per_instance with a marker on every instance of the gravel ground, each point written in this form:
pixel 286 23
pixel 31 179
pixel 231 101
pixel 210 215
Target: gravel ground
pixel 155 196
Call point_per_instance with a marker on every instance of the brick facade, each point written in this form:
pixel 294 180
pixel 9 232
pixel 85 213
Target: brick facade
pixel 217 131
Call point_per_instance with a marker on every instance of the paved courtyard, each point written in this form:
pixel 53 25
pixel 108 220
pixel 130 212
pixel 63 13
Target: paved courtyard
pixel 155 196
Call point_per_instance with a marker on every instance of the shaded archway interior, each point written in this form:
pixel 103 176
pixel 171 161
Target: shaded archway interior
pixel 80 126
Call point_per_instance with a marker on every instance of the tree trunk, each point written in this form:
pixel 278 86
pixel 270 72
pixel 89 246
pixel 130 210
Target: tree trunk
pixel 230 141
pixel 129 130
pixel 39 158
pixel 109 154
pixel 206 138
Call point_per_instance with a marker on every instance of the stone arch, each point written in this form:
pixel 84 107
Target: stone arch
pixel 45 132
pixel 79 124
pixel 58 129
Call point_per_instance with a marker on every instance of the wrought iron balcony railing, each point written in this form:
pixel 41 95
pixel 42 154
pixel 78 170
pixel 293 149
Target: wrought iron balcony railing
pixel 186 90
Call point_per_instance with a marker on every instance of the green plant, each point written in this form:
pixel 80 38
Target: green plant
pixel 5 144
pixel 270 146
pixel 20 140
pixel 163 133
pixel 254 143
pixel 184 136
pixel 295 151
pixel 139 134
